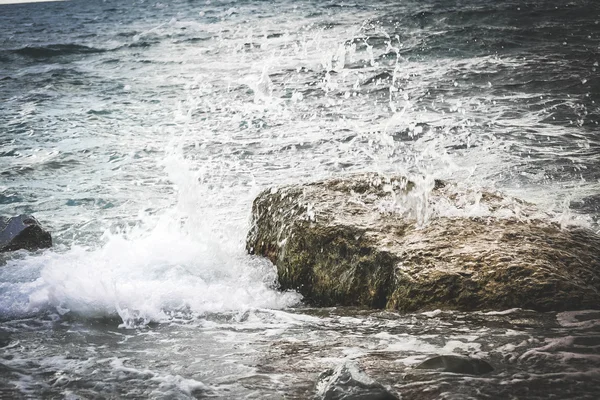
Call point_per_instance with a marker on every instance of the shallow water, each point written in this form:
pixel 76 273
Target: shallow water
pixel 139 132
pixel 279 354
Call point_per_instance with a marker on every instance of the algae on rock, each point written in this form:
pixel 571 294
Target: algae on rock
pixel 369 240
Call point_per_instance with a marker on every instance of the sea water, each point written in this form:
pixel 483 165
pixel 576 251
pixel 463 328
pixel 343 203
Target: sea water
pixel 139 132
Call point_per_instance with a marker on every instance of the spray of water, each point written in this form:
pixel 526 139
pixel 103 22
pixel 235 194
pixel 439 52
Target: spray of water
pixel 180 263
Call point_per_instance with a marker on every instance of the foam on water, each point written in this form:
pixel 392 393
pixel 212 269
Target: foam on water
pixel 189 258
pixel 258 96
pixel 179 263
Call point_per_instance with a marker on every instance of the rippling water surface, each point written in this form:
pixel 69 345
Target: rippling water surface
pixel 138 133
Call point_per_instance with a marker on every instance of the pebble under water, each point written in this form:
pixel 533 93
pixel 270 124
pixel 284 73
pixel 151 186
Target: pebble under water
pixel 139 132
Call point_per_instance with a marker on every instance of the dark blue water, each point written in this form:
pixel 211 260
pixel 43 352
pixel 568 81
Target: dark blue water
pixel 138 133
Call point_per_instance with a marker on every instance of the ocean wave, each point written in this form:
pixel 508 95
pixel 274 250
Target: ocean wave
pixel 144 280
pixel 142 44
pixel 195 39
pixel 55 50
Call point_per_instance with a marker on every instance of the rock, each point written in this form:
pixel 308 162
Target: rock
pixel 347 382
pixel 22 232
pixel 457 365
pixel 4 339
pixel 379 78
pixel 368 240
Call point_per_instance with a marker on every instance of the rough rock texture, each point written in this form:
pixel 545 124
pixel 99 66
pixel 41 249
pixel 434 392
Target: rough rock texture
pixel 23 232
pixel 381 242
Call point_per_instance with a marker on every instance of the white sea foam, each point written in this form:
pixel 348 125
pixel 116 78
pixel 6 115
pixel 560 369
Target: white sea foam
pixel 184 263
pixel 175 385
pixel 145 279
pixel 432 314
pixel 578 319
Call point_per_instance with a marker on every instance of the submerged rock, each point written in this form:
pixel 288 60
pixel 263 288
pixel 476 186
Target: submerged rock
pixel 457 365
pixel 23 232
pixel 373 241
pixel 4 339
pixel 347 382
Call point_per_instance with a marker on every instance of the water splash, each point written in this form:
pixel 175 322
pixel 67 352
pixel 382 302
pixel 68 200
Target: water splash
pixel 179 263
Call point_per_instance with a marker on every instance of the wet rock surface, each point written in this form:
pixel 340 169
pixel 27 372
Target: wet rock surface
pixel 23 232
pixel 457 365
pixel 348 382
pixel 375 241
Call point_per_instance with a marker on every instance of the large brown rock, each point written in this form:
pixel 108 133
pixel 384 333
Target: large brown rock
pixel 368 240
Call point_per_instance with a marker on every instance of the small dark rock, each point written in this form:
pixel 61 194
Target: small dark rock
pixel 379 78
pixel 457 365
pixel 4 339
pixel 590 204
pixel 347 382
pixel 23 232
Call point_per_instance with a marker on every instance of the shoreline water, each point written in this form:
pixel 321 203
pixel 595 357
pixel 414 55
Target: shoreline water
pixel 139 133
